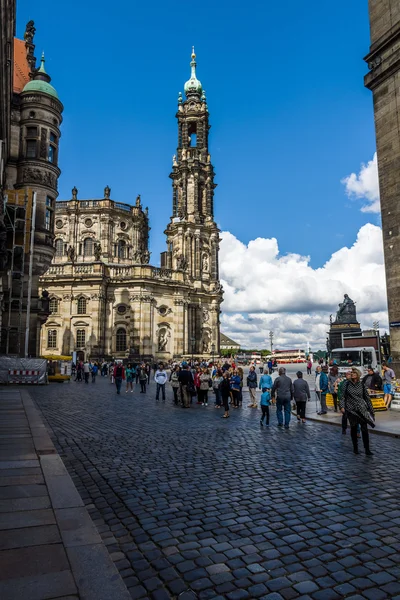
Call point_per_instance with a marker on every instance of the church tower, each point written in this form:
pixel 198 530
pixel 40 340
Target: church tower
pixel 192 235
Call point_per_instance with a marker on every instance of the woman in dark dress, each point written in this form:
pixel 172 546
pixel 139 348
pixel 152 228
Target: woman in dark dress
pixel 355 401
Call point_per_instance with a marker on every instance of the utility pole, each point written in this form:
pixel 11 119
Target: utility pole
pixel 28 305
pixel 271 339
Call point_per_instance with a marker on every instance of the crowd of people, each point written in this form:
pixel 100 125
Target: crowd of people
pixel 221 383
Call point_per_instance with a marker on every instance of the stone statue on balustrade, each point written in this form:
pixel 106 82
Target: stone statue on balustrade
pixel 347 311
pixel 97 251
pixel 71 254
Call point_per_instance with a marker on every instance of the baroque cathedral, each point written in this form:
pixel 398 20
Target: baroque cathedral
pixel 106 300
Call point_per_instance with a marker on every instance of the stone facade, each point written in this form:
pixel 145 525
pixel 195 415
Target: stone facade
pixel 105 297
pixel 31 168
pixel 383 80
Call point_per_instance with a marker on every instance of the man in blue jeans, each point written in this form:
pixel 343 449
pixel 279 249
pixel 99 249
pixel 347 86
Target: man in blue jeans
pixel 282 390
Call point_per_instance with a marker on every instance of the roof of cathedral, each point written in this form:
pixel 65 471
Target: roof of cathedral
pixel 193 85
pixel 41 82
pixel 225 341
pixel 21 66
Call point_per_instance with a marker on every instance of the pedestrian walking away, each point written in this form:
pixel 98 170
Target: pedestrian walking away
pixel 216 381
pixel 265 382
pixel 355 401
pixel 252 385
pixel 225 389
pixel 235 388
pixel 86 371
pixel 160 378
pixel 95 370
pixel 129 374
pixel 119 375
pixel 324 387
pixel 301 393
pixel 265 404
pixel 283 391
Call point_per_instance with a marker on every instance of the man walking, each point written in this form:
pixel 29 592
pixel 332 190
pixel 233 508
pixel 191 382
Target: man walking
pixel 119 375
pixel 283 391
pixel 86 371
pixel 160 378
pixel 252 384
pixel 388 377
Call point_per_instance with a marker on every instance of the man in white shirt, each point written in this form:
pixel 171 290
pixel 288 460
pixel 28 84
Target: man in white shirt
pixel 160 378
pixel 86 371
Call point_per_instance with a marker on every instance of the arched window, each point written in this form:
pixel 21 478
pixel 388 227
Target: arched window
pixel 53 305
pixel 52 338
pixel 59 248
pixel 80 338
pixel 88 247
pixel 121 340
pixel 82 305
pixel 121 249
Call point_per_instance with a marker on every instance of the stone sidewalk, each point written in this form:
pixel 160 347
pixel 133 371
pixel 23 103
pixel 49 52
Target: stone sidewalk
pixel 49 546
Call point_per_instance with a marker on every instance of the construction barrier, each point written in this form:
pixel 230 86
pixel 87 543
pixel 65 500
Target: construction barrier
pixel 14 370
pixel 376 399
pixel 23 376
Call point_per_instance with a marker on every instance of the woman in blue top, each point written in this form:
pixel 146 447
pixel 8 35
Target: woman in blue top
pixel 129 374
pixel 235 388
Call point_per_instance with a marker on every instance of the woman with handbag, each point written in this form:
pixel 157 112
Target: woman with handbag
pixel 354 400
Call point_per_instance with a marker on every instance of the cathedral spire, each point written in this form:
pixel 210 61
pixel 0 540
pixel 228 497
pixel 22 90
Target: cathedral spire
pixel 193 85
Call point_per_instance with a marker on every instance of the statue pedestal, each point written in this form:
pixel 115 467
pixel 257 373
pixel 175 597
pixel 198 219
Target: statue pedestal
pixel 337 329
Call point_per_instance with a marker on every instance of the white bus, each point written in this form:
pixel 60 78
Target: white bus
pixel 360 357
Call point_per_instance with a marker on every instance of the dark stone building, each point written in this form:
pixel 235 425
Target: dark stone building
pixel 30 132
pixel 383 80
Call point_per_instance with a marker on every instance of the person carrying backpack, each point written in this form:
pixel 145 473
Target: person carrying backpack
pixel 119 375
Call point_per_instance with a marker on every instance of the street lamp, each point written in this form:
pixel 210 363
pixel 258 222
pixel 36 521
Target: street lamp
pixel 213 351
pixel 193 341
pixel 271 339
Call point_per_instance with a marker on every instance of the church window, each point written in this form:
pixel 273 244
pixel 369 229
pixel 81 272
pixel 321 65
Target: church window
pixel 80 338
pixel 88 247
pixel 121 309
pixel 53 305
pixel 121 249
pixel 49 213
pixel 192 132
pixel 88 222
pixel 31 132
pixel 82 305
pixel 59 248
pixel 52 152
pixel 31 148
pixel 52 338
pixel 121 340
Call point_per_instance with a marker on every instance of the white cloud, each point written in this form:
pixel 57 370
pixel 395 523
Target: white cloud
pixel 365 185
pixel 264 290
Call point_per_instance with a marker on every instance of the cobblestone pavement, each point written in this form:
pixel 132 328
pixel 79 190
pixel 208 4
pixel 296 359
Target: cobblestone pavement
pixel 194 506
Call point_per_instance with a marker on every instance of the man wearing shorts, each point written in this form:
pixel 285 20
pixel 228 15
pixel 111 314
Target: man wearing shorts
pixel 388 378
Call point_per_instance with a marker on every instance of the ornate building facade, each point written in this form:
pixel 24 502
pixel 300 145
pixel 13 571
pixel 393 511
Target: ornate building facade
pixel 383 80
pixel 105 297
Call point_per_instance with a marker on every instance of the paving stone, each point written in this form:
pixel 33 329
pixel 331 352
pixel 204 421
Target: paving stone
pixel 31 561
pixel 29 536
pixel 49 585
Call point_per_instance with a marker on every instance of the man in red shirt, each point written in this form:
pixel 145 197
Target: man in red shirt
pixel 119 375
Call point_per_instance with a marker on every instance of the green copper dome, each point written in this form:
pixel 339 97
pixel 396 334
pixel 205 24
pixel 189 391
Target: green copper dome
pixel 41 82
pixel 193 85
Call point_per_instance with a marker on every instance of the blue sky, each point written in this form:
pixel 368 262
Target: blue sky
pixel 290 116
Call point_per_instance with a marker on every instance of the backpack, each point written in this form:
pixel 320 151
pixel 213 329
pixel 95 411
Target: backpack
pixel 118 372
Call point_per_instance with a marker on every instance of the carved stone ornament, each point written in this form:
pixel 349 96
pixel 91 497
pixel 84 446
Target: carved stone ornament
pixel 67 297
pixel 37 176
pixel 71 254
pixel 179 302
pixel 97 251
pixel 164 310
pixel 206 315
